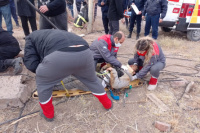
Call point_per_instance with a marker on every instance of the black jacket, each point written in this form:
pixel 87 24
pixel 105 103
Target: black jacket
pixel 3 2
pixel 8 45
pixel 140 5
pixel 43 42
pixel 155 7
pixel 115 11
pixel 104 8
pixel 24 9
pixel 56 7
pixel 70 2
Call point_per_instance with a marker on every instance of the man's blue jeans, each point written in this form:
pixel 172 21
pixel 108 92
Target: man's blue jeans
pixel 6 13
pixel 13 11
pixel 71 9
pixel 152 21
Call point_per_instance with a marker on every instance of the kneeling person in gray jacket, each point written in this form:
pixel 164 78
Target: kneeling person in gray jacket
pixel 105 48
pixel 149 57
pixel 56 54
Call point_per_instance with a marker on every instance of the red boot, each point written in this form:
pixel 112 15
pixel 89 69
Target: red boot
pixel 105 101
pixel 48 110
pixel 152 83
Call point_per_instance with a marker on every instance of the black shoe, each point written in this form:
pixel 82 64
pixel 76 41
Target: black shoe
pixel 129 36
pixel 47 119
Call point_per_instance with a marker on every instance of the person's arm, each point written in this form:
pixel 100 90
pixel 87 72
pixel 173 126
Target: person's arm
pixel 119 6
pixel 105 53
pixel 31 58
pixel 145 7
pixel 55 4
pixel 163 8
pixel 146 68
pixel 142 9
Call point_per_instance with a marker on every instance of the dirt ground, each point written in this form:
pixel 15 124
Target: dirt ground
pixel 84 114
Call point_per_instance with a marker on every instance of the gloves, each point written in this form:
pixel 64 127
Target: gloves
pixel 134 78
pixel 124 67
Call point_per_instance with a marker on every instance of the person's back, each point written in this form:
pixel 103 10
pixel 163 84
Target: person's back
pixel 6 39
pixel 9 49
pixel 44 42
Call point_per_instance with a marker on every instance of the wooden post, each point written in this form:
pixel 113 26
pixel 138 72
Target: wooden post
pixel 90 16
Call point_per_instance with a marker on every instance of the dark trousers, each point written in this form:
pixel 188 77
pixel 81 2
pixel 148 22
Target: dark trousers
pixel 13 11
pixel 79 64
pixel 138 19
pixel 105 22
pixel 32 21
pixel 127 20
pixel 114 27
pixel 154 22
pixel 78 6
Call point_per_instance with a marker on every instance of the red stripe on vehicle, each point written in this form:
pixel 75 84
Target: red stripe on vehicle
pixel 174 0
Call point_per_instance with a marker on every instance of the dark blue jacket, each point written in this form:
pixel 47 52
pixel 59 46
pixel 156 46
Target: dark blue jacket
pixel 126 3
pixel 4 2
pixel 105 7
pixel 139 3
pixel 155 7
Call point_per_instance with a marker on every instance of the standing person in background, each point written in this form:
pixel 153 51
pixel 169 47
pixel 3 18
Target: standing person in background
pixel 95 8
pixel 126 3
pixel 27 14
pixel 136 17
pixel 104 9
pixel 156 11
pixel 78 5
pixel 6 13
pixel 56 12
pixel 13 12
pixel 70 6
pixel 115 13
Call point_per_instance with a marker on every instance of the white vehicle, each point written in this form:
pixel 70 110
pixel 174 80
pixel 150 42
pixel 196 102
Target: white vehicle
pixel 183 15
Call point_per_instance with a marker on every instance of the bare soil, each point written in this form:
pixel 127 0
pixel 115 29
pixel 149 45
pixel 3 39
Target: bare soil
pixel 84 114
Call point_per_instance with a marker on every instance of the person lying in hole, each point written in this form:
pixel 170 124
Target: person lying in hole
pixel 55 54
pixel 118 79
pixel 149 57
pixel 9 49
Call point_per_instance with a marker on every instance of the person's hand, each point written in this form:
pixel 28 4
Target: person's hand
pixel 123 20
pixel 143 17
pixel 134 78
pixel 161 20
pixel 139 12
pixel 109 69
pixel 43 9
pixel 102 3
